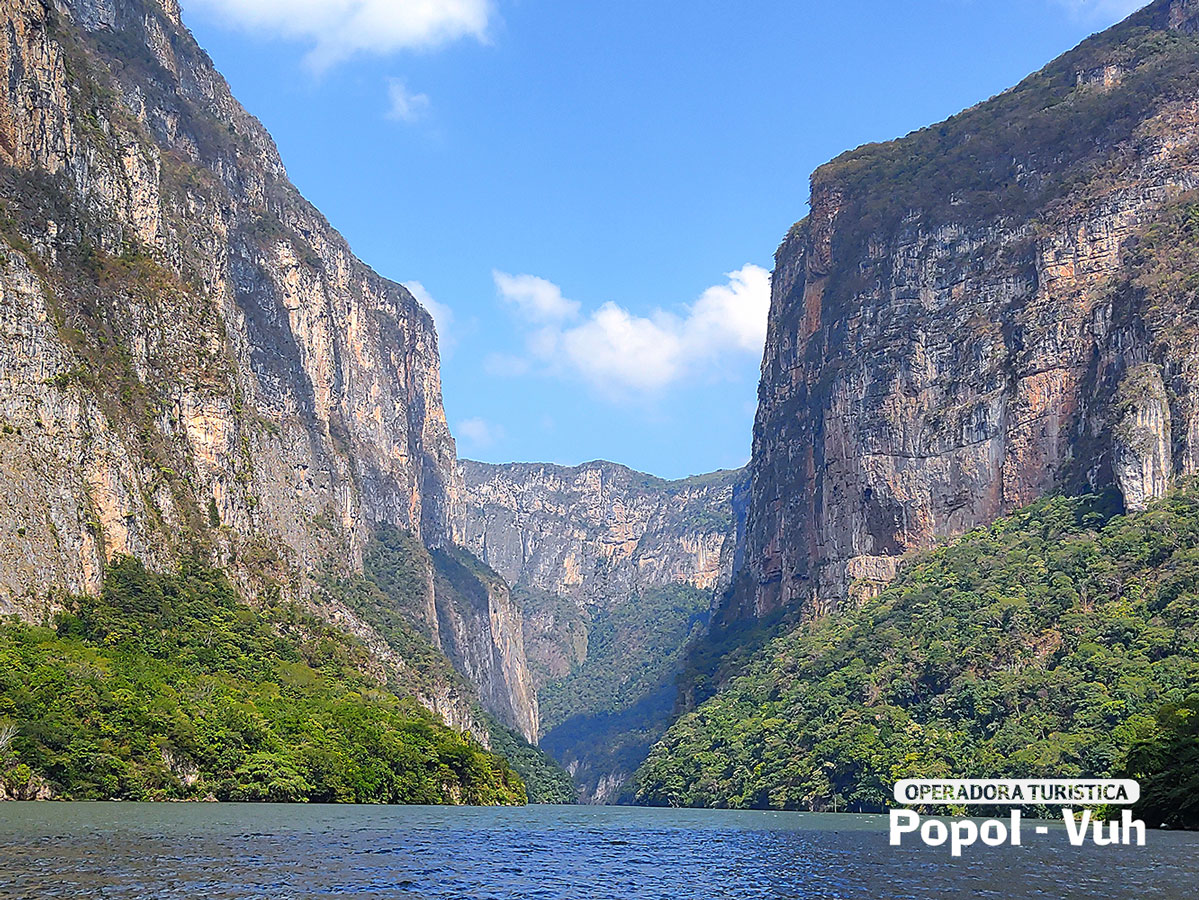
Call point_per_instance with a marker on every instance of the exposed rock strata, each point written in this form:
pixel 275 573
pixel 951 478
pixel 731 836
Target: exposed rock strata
pixel 597 530
pixel 596 535
pixel 954 329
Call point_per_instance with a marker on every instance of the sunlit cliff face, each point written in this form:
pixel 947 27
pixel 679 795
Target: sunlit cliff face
pixel 958 327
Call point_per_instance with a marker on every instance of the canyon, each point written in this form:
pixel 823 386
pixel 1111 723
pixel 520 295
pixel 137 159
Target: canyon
pixel 993 309
pixel 198 367
pixel 616 572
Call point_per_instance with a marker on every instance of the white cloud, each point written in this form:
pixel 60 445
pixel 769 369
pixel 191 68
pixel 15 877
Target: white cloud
pixel 479 432
pixel 733 315
pixel 615 348
pixel 443 316
pixel 618 351
pixel 537 299
pixel 338 29
pixel 1105 12
pixel 403 104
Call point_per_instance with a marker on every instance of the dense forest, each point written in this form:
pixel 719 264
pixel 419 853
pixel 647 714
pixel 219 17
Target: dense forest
pixel 167 686
pixel 1060 641
pixel 632 649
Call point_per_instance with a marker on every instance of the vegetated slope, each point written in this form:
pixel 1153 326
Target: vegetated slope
pixel 615 572
pixel 168 687
pixel 1166 763
pixel 632 650
pixel 1042 645
pixel 408 595
pixel 605 715
pixel 952 333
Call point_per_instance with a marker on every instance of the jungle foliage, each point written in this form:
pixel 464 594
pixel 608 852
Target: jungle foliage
pixel 631 650
pixel 1060 641
pixel 168 686
pixel 395 595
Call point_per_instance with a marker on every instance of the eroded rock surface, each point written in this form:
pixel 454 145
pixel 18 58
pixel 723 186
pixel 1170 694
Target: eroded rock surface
pixel 194 361
pixel 980 313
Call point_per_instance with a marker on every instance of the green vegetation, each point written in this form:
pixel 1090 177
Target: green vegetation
pixel 394 595
pixel 631 650
pixel 605 745
pixel 545 780
pixel 389 596
pixel 1043 645
pixel 604 716
pixel 1166 762
pixel 167 686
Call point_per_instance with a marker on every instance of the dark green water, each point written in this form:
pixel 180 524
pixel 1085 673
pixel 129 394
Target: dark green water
pixel 125 850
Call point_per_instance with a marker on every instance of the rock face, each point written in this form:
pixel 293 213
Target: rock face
pixel 616 572
pixel 480 629
pixel 194 361
pixel 599 530
pixel 597 535
pixel 1142 443
pixel 984 311
pixel 281 381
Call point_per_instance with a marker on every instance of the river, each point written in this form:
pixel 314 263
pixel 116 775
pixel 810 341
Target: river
pixel 219 851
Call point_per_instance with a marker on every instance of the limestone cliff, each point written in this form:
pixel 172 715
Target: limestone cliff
pixel 194 360
pixel 987 310
pixel 598 530
pixel 616 572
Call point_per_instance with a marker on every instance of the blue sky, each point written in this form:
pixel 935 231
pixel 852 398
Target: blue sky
pixel 589 194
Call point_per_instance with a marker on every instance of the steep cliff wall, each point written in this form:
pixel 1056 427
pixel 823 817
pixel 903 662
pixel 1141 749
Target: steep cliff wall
pixel 600 530
pixel 191 339
pixel 481 630
pixel 616 572
pixel 982 312
pixel 194 360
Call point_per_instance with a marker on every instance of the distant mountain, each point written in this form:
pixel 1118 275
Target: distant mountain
pixel 616 572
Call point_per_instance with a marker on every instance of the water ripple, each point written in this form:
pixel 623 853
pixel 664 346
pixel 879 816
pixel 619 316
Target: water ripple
pixel 235 852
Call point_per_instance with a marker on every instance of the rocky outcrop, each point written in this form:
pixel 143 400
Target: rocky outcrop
pixel 480 629
pixel 1141 440
pixel 979 313
pixel 195 362
pixel 598 531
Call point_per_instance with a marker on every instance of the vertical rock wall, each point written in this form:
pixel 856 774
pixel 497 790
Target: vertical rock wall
pixel 194 356
pixel 194 361
pixel 980 313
